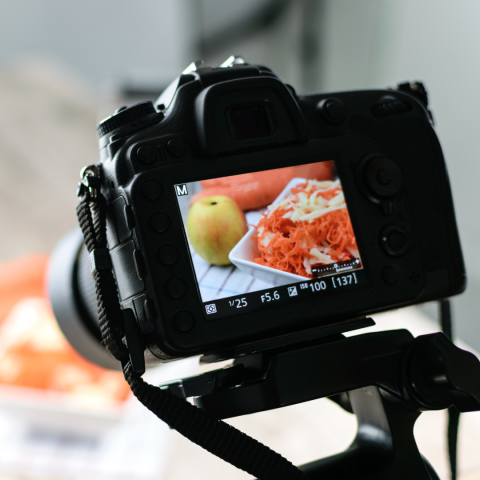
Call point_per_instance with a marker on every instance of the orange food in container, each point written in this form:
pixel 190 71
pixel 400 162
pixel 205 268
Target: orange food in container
pixel 34 354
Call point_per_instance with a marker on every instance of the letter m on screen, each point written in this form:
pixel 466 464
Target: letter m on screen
pixel 181 190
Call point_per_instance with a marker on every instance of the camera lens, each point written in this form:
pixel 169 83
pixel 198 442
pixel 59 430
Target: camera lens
pixel 73 297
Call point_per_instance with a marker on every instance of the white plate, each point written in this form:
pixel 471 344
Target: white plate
pixel 243 254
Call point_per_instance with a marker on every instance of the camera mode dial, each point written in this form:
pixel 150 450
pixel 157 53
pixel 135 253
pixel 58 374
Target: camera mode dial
pixel 123 116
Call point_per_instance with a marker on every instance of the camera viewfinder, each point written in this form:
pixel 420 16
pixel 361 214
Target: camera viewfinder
pixel 247 122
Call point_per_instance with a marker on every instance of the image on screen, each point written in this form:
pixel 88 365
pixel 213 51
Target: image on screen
pixel 260 231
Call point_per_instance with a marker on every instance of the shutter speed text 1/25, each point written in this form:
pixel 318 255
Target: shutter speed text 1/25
pixel 252 301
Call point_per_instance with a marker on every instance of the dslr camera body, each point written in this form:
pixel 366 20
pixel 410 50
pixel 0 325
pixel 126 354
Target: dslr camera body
pixel 367 161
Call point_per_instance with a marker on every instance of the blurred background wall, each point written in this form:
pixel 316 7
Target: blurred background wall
pixel 65 65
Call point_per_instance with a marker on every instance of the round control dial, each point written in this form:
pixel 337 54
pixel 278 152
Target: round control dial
pixel 124 116
pixel 383 177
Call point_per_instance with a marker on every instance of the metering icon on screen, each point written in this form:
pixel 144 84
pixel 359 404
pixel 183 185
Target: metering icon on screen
pixel 292 291
pixel 212 308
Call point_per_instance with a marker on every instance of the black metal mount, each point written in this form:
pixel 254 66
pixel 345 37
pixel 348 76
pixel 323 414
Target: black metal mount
pixel 387 379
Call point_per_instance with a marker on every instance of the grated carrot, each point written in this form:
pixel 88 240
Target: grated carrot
pixel 284 244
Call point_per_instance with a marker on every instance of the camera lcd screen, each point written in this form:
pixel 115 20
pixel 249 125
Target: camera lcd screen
pixel 268 237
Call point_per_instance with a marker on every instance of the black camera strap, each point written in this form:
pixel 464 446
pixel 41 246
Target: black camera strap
pixel 202 428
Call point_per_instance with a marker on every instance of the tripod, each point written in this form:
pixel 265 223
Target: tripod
pixel 386 379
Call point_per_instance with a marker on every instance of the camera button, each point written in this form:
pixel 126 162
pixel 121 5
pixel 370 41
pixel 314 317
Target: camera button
pixel 176 288
pixel 332 110
pixel 183 321
pixel 160 222
pixel 146 154
pixel 391 275
pixel 168 255
pixel 152 190
pixel 176 147
pixel 394 241
pixel 383 177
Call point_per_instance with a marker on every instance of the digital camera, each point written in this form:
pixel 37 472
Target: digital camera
pixel 242 213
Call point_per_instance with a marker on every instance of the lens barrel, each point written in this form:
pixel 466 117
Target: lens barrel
pixel 71 289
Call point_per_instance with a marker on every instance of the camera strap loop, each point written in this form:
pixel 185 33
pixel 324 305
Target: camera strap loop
pixel 202 428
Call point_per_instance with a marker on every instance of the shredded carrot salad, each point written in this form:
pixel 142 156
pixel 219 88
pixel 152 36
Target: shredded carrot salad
pixel 310 227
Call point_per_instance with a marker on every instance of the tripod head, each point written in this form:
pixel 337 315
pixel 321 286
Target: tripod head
pixel 389 377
